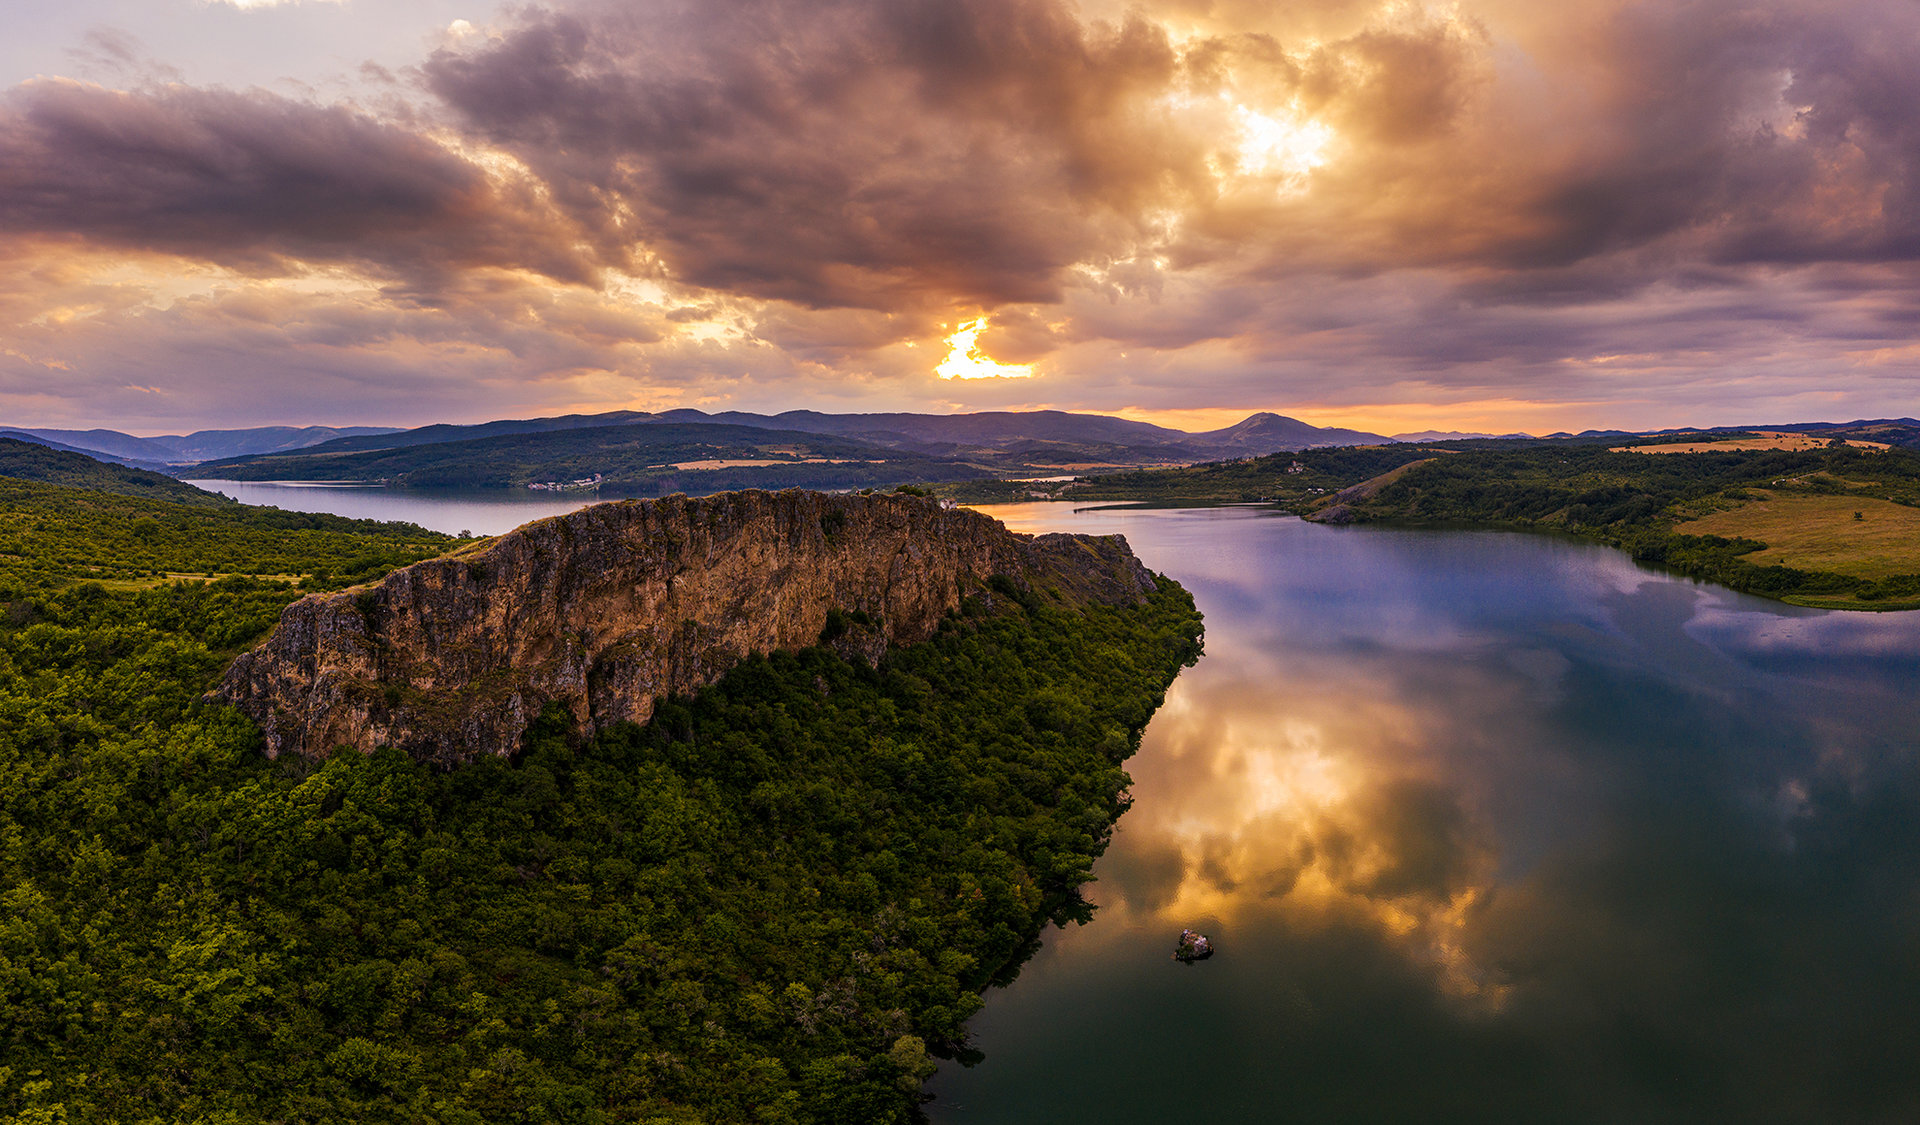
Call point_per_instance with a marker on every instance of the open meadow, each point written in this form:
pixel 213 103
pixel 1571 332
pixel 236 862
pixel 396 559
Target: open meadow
pixel 1859 536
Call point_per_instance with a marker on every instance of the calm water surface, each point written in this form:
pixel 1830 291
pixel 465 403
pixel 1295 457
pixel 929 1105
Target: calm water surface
pixel 480 511
pixel 1487 828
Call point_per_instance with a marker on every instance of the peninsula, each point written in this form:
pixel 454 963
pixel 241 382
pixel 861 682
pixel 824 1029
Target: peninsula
pixel 883 745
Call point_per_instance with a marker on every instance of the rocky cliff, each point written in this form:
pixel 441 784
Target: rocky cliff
pixel 616 606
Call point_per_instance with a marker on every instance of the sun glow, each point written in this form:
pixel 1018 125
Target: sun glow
pixel 965 360
pixel 1285 146
pixel 1264 145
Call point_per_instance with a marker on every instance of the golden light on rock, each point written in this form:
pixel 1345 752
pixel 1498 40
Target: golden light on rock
pixel 965 360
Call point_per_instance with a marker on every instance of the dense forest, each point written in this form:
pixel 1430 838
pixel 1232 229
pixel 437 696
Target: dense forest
pixel 52 535
pixel 777 902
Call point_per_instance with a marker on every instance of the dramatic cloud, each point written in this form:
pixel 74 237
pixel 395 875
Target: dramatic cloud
pixel 255 181
pixel 867 152
pixel 1501 214
pixel 847 153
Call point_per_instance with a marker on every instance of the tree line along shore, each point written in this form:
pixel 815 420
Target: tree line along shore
pixel 1830 524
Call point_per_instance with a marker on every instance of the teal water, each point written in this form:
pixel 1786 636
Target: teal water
pixel 1487 828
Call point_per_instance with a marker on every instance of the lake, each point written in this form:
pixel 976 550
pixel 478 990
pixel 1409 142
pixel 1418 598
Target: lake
pixel 477 511
pixel 1486 828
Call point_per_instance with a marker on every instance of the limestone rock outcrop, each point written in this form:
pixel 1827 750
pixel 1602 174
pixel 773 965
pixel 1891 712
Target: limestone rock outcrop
pixel 614 607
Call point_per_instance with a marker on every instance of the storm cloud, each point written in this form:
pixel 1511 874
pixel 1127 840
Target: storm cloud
pixel 1633 211
pixel 256 181
pixel 861 151
pixel 834 154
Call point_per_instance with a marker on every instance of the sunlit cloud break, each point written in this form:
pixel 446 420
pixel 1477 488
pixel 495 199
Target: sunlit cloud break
pixel 965 360
pixel 1280 146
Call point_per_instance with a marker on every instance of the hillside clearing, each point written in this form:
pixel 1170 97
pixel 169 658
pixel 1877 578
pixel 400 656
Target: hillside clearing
pixel 1765 440
pixel 1820 533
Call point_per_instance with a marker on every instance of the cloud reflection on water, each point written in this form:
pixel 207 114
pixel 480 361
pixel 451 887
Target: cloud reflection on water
pixel 1499 828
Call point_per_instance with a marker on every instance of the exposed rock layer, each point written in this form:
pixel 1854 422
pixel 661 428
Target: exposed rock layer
pixel 614 607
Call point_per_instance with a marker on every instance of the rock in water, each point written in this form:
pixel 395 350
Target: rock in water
pixel 1192 947
pixel 612 608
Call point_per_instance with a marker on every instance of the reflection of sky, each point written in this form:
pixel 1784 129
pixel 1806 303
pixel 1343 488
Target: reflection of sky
pixel 492 512
pixel 1498 827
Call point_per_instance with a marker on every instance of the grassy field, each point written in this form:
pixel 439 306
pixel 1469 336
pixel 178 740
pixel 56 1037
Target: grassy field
pixel 1821 533
pixel 126 585
pixel 1764 440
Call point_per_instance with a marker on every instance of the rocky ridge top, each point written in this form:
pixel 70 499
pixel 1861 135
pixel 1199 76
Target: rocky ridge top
pixel 614 607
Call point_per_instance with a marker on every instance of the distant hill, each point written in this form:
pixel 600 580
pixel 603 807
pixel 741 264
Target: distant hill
pixel 109 443
pixel 1006 442
pixel 201 445
pixel 933 433
pixel 996 443
pixel 97 455
pixel 646 459
pixel 987 429
pixel 443 432
pixel 1903 432
pixel 1457 435
pixel 1260 434
pixel 24 460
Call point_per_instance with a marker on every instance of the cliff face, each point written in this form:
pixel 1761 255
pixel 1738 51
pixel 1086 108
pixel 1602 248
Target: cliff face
pixel 614 607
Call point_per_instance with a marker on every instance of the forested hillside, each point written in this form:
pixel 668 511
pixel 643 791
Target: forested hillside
pixel 1277 478
pixel 1834 526
pixel 775 903
pixel 21 460
pixel 53 535
pixel 633 460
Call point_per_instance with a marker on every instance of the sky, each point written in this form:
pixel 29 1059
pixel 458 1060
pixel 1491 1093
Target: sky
pixel 1491 215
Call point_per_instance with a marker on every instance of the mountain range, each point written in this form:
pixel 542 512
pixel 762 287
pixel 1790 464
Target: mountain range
pixel 647 453
pixel 635 453
pixel 935 434
pixel 640 459
pixel 187 449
